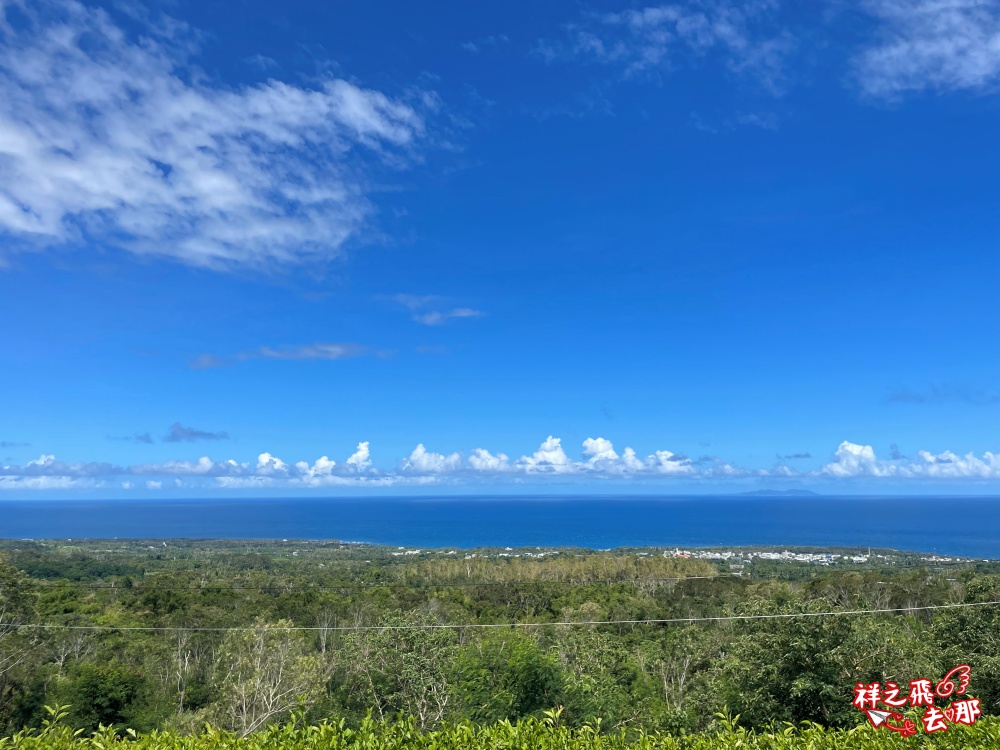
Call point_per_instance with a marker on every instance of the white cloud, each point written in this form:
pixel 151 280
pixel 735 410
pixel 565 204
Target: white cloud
pixel 602 457
pixel 439 318
pixel 851 461
pixel 423 462
pixel 482 460
pixel 667 462
pixel 45 483
pixel 415 301
pixel 48 465
pixel 360 460
pixel 599 449
pixel 323 467
pixel 122 141
pixel 417 304
pixel 204 466
pixel 948 465
pixel 630 461
pixel 312 482
pixel 309 351
pixel 550 457
pixel 243 483
pixel 931 44
pixel 268 465
pixel 320 351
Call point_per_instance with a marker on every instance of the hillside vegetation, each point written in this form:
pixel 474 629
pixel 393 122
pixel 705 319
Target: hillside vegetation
pixel 241 635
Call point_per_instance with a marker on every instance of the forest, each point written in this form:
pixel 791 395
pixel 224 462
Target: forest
pixel 256 639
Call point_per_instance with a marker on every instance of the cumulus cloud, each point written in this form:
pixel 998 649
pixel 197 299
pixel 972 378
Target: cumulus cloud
pixel 178 433
pixel 600 453
pixel 360 460
pixel 854 460
pixel 118 139
pixel 599 449
pixel 549 458
pixel 422 461
pixel 667 462
pixel 482 460
pixel 268 465
pixel 939 45
pixel 655 37
pixel 947 465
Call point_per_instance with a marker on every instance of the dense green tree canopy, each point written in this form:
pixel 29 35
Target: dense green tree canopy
pixel 243 635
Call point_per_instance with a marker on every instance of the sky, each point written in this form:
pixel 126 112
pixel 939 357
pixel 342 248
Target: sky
pixel 386 247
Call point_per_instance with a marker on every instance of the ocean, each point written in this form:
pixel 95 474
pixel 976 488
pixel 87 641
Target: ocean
pixel 966 526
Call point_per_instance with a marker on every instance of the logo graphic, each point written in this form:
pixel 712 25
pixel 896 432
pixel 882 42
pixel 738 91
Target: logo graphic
pixel 868 698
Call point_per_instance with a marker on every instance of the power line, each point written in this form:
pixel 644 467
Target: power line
pixel 471 626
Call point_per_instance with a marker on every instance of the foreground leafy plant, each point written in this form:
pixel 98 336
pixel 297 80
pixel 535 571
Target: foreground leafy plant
pixel 528 734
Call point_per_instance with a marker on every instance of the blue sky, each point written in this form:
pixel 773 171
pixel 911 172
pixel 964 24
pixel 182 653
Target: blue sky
pixel 385 247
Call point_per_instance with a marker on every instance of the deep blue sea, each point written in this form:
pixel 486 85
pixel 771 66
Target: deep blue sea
pixel 968 526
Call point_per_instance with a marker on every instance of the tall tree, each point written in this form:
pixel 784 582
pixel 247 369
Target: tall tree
pixel 263 673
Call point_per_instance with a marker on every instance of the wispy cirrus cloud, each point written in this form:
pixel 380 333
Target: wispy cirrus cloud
pixel 939 45
pixel 117 139
pixel 415 301
pixel 419 304
pixel 440 317
pixel 485 42
pixel 318 351
pixel 746 37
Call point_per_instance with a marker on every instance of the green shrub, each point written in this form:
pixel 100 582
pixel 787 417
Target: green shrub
pixel 528 734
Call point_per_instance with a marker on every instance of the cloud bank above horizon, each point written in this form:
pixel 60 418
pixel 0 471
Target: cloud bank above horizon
pixel 548 464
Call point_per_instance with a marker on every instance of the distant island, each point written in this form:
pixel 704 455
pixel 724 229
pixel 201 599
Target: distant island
pixel 781 493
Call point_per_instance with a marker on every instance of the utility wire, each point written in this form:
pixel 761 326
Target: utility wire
pixel 470 626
